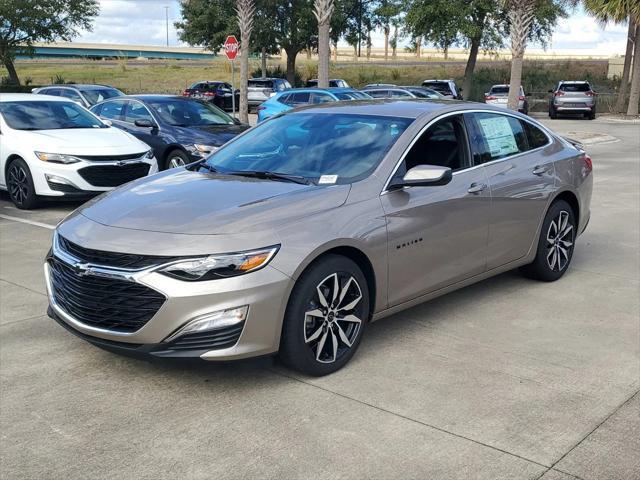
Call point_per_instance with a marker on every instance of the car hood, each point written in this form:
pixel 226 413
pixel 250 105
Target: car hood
pixel 194 203
pixel 87 141
pixel 212 134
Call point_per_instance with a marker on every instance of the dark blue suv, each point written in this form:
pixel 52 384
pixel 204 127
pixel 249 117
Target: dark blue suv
pixel 179 130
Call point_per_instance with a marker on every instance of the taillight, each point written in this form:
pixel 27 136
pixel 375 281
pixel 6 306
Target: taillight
pixel 559 93
pixel 490 97
pixel 590 93
pixel 209 94
pixel 588 163
pixel 185 93
pixel 521 97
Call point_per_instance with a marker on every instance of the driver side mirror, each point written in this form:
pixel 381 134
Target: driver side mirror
pixel 424 176
pixel 145 123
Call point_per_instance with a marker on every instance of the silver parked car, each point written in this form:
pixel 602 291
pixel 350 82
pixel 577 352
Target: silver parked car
pixel 261 89
pixel 573 97
pixel 499 96
pixel 295 235
pixel 85 95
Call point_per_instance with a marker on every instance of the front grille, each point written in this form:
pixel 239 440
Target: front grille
pixel 212 340
pixel 112 259
pixel 107 303
pixel 111 158
pixel 113 175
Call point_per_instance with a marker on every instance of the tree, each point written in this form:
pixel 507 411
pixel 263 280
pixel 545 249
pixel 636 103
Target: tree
pixel 24 22
pixel 323 9
pixel 618 11
pixel 626 70
pixel 384 15
pixel 245 10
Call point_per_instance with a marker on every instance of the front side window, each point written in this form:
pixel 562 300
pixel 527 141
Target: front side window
pixel 378 93
pixel 343 147
pixel 43 115
pixel 111 110
pixel 189 113
pixel 137 111
pixel 497 136
pixel 400 94
pixel 320 97
pixel 96 95
pixel 71 95
pixel 444 144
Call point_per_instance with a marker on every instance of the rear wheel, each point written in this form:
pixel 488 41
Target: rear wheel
pixel 592 114
pixel 325 317
pixel 555 245
pixel 20 185
pixel 552 112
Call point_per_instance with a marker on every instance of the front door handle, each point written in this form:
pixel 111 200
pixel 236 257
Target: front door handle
pixel 477 187
pixel 541 169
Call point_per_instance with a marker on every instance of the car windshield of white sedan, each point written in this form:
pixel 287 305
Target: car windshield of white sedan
pixel 341 147
pixel 41 115
pixel 189 113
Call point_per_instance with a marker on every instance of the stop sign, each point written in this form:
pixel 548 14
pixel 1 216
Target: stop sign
pixel 231 47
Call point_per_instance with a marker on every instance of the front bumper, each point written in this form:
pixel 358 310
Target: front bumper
pixel 264 291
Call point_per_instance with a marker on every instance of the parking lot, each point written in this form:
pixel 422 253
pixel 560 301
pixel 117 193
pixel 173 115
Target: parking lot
pixel 509 378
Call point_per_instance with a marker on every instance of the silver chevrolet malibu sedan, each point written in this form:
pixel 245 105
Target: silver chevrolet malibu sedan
pixel 295 235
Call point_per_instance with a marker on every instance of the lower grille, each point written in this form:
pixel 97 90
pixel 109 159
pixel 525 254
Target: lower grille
pixel 113 175
pixel 107 303
pixel 212 340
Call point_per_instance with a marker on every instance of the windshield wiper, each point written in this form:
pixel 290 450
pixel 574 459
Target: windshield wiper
pixel 206 166
pixel 272 176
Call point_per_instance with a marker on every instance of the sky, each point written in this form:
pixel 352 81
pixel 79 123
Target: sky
pixel 142 22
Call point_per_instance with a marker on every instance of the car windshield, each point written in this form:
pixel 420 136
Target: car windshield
pixel 42 115
pixel 261 83
pixel 326 148
pixel 575 87
pixel 352 96
pixel 94 96
pixel 189 113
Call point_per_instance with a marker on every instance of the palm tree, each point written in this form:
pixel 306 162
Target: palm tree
pixel 619 11
pixel 521 15
pixel 245 10
pixel 323 9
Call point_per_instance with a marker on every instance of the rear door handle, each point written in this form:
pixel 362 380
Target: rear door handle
pixel 477 187
pixel 541 169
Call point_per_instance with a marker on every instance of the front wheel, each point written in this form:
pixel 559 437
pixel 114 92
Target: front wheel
pixel 177 158
pixel 22 191
pixel 326 317
pixel 555 245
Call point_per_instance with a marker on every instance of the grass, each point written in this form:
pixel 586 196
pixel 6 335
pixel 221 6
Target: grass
pixel 173 76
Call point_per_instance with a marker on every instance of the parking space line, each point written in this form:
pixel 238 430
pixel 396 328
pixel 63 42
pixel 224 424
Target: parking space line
pixel 29 222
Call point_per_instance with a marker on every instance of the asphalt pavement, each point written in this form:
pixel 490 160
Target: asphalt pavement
pixel 506 379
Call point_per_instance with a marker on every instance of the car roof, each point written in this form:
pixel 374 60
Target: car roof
pixel 153 96
pixel 266 78
pixel 24 97
pixel 406 108
pixel 437 80
pixel 84 86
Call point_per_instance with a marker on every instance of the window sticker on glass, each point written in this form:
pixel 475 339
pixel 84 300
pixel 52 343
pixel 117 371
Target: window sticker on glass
pixel 499 136
pixel 328 179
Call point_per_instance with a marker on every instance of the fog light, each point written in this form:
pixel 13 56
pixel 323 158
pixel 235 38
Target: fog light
pixel 212 321
pixel 58 180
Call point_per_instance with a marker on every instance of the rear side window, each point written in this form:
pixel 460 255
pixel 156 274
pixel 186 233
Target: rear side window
pixel 111 110
pixel 400 94
pixel 440 87
pixel 536 137
pixel 71 95
pixel 575 87
pixel 298 98
pixel 320 97
pixel 56 92
pixel 497 136
pixel 378 93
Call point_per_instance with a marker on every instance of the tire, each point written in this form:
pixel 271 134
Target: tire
pixel 318 338
pixel 592 115
pixel 176 158
pixel 555 249
pixel 20 185
pixel 552 112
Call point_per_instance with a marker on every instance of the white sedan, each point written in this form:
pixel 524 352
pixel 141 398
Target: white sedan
pixel 53 147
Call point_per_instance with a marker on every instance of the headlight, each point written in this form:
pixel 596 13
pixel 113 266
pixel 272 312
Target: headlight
pixel 56 157
pixel 149 154
pixel 200 149
pixel 220 266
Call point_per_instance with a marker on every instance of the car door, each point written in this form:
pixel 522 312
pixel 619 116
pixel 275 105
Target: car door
pixel 136 110
pixel 437 235
pixel 521 176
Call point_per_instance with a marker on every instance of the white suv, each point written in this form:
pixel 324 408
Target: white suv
pixel 53 147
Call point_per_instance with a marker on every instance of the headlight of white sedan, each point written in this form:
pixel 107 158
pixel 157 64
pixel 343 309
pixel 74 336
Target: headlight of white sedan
pixel 56 157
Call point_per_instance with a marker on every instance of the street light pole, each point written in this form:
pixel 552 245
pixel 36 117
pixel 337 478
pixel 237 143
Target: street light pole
pixel 166 16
